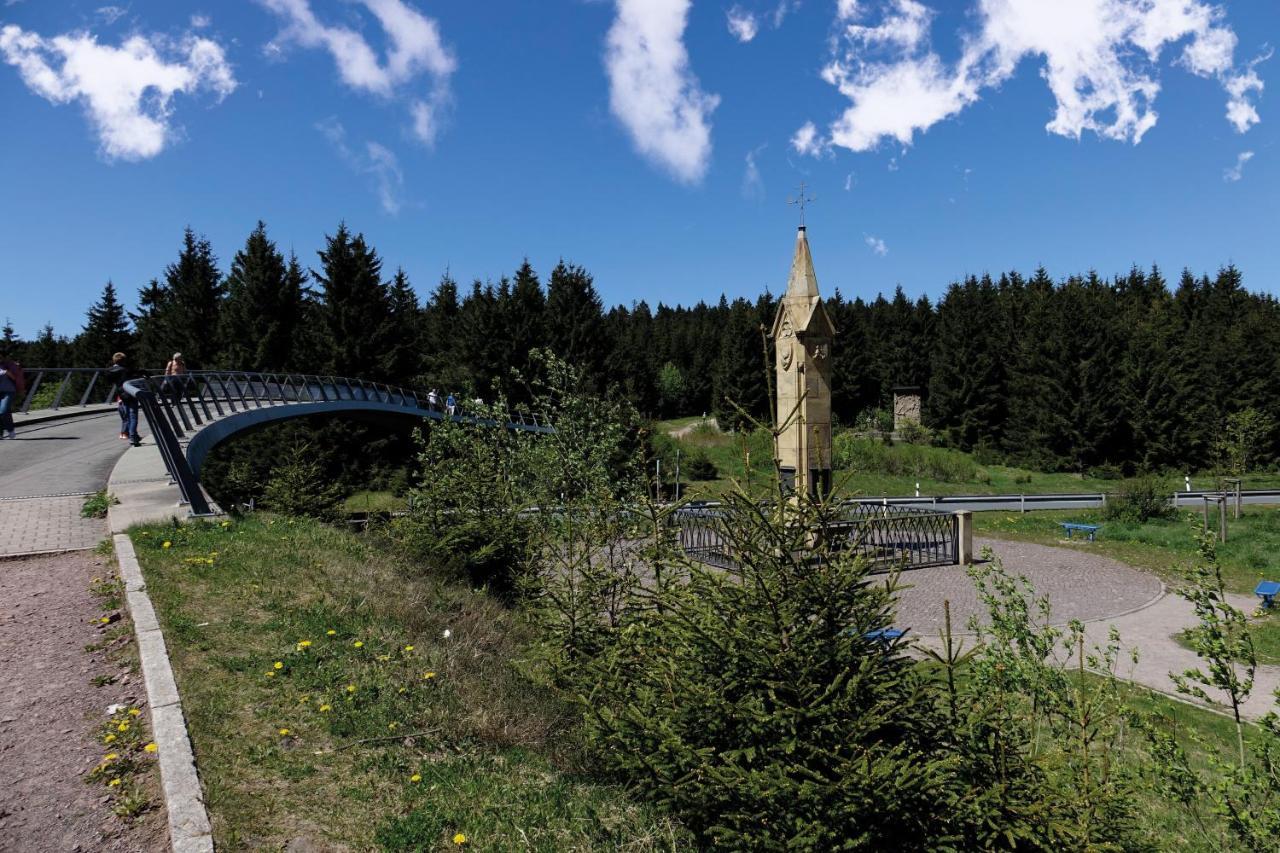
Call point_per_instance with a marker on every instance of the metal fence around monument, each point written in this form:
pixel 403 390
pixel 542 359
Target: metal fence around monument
pixel 890 537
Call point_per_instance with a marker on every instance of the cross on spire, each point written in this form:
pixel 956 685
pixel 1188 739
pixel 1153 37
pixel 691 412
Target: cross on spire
pixel 801 200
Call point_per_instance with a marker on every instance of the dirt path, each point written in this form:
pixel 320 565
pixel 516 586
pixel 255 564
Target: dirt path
pixel 689 428
pixel 49 708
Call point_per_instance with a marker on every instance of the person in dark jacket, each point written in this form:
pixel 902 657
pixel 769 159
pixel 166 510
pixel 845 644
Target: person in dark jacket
pixel 119 373
pixel 11 390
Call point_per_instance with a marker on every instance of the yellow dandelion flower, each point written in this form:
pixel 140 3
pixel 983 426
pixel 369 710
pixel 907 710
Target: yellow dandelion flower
pixel 330 633
pixel 402 690
pixel 278 665
pixel 271 673
pixel 226 524
pixel 302 700
pixel 284 732
pixel 133 712
pixel 384 657
pixel 113 783
pixel 351 688
pixel 105 619
pixel 359 644
pixel 123 727
pixel 110 756
pixel 392 726
pixel 408 648
pixel 166 544
pixel 415 778
pixel 459 839
pixel 108 738
pixel 304 644
pixel 427 676
pixel 324 709
pixel 151 747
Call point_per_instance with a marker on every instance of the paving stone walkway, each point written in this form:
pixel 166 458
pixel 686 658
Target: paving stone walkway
pixel 43 525
pixel 1097 590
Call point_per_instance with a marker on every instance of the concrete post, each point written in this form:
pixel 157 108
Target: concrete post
pixel 964 537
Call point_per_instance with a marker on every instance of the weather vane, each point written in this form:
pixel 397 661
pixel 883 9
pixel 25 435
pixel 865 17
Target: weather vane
pixel 801 199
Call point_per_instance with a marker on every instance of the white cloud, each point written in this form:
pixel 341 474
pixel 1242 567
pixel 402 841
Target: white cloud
pixel 200 22
pixel 742 24
pixel 876 245
pixel 752 182
pixel 1236 172
pixel 848 181
pixel 807 141
pixel 110 14
pixel 125 91
pixel 1099 58
pixel 652 90
pixel 413 46
pixel 375 160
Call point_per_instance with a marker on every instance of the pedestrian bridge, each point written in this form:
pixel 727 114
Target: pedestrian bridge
pixel 188 416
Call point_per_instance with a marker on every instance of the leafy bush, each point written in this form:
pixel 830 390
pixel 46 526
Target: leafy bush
pixel 1106 471
pixel 700 467
pixel 914 432
pixel 868 456
pixel 1140 500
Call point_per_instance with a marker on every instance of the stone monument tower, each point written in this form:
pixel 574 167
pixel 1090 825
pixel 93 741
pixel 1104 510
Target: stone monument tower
pixel 802 337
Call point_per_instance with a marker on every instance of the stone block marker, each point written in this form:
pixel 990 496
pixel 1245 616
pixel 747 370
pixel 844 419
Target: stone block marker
pixel 189 830
pixel 964 547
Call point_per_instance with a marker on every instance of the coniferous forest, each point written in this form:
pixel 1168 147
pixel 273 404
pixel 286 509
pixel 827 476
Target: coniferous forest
pixel 1133 371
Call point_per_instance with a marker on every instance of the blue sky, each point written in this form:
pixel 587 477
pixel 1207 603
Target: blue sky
pixel 651 141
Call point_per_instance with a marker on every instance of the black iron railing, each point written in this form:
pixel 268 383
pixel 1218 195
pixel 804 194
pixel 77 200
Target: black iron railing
pixel 63 388
pixel 890 537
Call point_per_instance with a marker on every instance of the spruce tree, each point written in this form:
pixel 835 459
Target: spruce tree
pixel 262 309
pixel 190 309
pixel 740 373
pixel 405 357
pixel 106 330
pixel 357 307
pixel 575 320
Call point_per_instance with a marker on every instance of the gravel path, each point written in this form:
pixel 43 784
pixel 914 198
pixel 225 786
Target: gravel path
pixel 49 708
pixel 1080 585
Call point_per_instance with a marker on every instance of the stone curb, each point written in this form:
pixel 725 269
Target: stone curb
pixel 189 830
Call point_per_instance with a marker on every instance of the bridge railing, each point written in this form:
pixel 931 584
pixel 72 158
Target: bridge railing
pixel 175 406
pixel 64 388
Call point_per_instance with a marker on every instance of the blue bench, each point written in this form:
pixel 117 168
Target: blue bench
pixel 883 635
pixel 1267 591
pixel 1071 527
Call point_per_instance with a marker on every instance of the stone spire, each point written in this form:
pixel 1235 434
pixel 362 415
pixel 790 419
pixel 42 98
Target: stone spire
pixel 802 337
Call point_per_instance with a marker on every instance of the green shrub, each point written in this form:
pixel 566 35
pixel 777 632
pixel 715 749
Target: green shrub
pixel 1106 471
pixel 914 432
pixel 1140 500
pixel 700 467
pixel 299 486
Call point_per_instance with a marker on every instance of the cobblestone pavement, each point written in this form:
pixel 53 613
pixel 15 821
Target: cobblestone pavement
pixel 36 525
pixel 1079 585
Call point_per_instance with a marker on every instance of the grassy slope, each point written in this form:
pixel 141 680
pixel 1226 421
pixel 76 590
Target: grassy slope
pixel 727 452
pixel 1250 554
pixel 493 759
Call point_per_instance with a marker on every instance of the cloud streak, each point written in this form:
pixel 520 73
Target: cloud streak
pixel 652 90
pixel 1099 58
pixel 374 160
pixel 743 25
pixel 126 92
pixel 1236 172
pixel 876 245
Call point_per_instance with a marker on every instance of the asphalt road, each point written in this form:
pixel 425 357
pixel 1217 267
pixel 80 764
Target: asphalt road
pixel 72 456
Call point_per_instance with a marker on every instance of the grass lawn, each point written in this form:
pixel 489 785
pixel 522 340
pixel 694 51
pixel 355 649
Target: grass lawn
pixel 1250 554
pixel 895 471
pixel 337 696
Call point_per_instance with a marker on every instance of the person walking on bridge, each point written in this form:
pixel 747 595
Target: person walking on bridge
pixel 12 386
pixel 175 376
pixel 119 373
